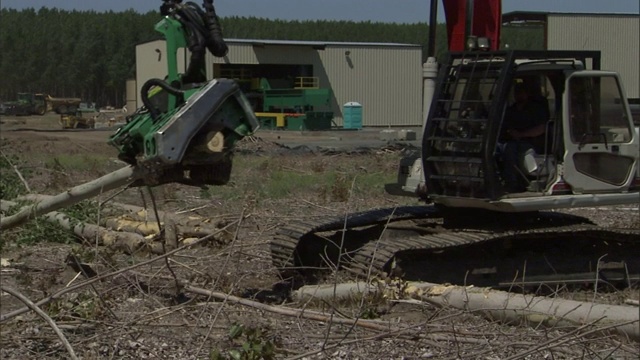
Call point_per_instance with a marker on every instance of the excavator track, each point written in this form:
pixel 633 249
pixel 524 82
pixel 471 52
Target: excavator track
pixel 426 243
pixel 293 243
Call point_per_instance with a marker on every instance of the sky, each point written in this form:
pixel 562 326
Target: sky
pixel 399 11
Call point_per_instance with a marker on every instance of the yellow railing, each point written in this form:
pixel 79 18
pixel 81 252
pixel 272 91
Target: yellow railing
pixel 307 82
pixel 278 116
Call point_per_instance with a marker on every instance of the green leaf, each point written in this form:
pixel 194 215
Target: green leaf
pixel 235 354
pixel 246 347
pixel 215 355
pixel 235 331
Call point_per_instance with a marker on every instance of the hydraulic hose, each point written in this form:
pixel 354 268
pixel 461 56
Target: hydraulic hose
pixel 204 32
pixel 167 6
pixel 196 43
pixel 144 94
pixel 215 42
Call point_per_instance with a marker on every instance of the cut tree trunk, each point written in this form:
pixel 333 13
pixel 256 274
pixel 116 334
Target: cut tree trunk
pixel 498 305
pixel 124 241
pixel 537 310
pixel 138 227
pixel 139 220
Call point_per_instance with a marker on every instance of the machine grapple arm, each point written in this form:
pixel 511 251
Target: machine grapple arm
pixel 188 126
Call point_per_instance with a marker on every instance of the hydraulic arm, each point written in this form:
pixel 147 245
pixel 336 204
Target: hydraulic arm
pixel 187 126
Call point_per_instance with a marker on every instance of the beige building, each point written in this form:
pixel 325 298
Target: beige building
pixel 616 36
pixel 385 78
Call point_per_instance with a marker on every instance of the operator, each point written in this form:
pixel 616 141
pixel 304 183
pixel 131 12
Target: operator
pixel 525 123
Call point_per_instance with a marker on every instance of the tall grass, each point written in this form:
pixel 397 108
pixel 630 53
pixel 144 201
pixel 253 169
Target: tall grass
pixel 308 176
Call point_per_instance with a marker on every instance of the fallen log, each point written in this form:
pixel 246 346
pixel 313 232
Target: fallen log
pixel 137 212
pixel 139 220
pixel 127 242
pixel 111 181
pixel 324 317
pixel 329 291
pixel 138 227
pixel 124 241
pixel 537 310
pixel 147 228
pixel 187 226
pixel 142 214
pixel 497 305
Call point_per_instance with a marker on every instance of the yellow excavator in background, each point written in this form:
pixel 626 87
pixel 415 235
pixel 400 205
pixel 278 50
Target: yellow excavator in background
pixel 76 121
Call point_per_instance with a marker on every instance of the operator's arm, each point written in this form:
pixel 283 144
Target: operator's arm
pixel 528 133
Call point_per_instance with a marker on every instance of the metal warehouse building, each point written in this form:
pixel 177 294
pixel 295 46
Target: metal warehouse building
pixel 617 36
pixel 387 78
pixel 384 78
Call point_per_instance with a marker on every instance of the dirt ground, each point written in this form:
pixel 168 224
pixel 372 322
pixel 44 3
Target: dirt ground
pixel 141 313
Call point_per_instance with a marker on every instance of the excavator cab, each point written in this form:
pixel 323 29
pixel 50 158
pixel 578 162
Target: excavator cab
pixel 479 231
pixel 601 146
pixel 581 150
pixel 587 154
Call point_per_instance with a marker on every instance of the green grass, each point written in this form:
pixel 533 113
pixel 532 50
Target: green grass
pixel 77 162
pixel 40 230
pixel 304 177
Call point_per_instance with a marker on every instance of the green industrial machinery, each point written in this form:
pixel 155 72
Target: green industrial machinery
pixel 188 125
pixel 187 128
pixel 295 108
pixel 299 99
pixel 27 104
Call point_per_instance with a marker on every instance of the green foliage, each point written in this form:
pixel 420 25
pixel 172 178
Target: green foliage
pixel 40 230
pixel 91 55
pixel 249 343
pixel 85 211
pixel 10 184
pixel 70 53
pixel 523 37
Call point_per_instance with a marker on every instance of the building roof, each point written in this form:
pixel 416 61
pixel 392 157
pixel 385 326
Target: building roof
pixel 541 16
pixel 264 42
pixel 314 44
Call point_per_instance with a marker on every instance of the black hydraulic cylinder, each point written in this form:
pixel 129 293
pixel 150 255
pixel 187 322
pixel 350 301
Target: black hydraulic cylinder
pixel 215 42
pixel 433 23
pixel 469 20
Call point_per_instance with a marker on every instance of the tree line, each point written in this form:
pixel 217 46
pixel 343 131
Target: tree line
pixel 90 54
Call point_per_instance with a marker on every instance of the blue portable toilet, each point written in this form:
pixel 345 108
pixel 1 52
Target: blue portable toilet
pixel 352 115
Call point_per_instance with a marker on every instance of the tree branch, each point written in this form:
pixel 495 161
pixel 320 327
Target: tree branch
pixel 46 318
pixel 72 196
